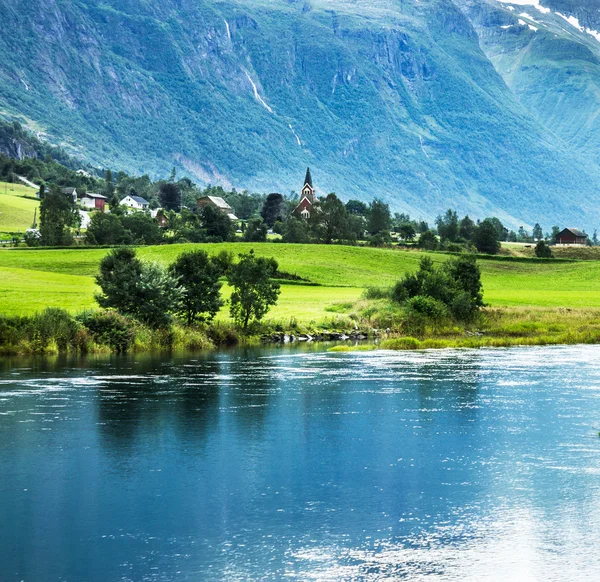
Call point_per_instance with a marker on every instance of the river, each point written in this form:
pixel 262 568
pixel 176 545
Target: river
pixel 298 464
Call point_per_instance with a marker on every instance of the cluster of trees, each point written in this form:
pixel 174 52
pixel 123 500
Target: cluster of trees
pixel 333 221
pixel 189 289
pixel 451 290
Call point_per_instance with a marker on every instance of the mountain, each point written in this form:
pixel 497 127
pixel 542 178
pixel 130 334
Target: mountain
pixel 427 104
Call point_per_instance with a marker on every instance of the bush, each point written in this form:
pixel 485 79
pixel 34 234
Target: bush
pixel 256 231
pixel 53 324
pixel 456 284
pixel 110 328
pixel 377 293
pixel 428 306
pixel 428 241
pixel 543 251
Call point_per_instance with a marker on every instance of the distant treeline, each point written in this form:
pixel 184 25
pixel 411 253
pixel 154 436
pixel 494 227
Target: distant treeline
pixel 332 221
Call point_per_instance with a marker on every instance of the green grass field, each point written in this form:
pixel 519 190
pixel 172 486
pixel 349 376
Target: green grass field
pixel 33 279
pixel 16 209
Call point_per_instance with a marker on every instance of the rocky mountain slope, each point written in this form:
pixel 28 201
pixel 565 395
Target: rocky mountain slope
pixel 428 104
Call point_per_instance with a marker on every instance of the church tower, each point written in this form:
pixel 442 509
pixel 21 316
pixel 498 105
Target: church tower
pixel 307 190
pixel 307 198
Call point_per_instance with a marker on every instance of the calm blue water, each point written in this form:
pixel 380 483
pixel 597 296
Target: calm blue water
pixel 271 465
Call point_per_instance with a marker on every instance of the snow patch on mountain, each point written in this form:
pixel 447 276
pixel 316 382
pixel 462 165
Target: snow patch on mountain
pixel 535 3
pixel 575 23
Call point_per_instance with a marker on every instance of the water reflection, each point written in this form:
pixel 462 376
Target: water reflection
pixel 265 464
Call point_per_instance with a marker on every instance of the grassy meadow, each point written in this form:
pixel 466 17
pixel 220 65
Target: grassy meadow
pixel 17 207
pixel 31 279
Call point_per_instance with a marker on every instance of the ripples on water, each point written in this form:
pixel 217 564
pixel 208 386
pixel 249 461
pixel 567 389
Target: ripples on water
pixel 270 465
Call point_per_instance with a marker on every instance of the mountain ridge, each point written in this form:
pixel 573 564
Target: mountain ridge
pixel 401 100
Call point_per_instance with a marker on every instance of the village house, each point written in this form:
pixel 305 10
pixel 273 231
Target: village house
pixel 217 203
pixel 72 192
pixel 135 202
pixel 307 198
pixel 571 236
pixel 93 201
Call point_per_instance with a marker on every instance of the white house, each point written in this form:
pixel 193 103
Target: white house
pixel 135 202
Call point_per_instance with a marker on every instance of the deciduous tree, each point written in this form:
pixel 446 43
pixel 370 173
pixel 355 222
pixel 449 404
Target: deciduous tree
pixel 254 291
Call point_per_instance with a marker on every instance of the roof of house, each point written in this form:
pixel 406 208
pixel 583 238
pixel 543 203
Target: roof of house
pixel 68 190
pixel 138 199
pixel 574 231
pixel 308 178
pixel 232 216
pixel 217 201
pixel 92 195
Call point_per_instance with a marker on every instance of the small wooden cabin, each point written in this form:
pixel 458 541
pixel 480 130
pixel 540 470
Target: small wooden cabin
pixel 571 236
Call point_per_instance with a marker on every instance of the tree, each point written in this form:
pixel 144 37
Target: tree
pixel 554 234
pixel 330 220
pixel 522 235
pixel 169 195
pixel 407 231
pixel 119 274
pixel 379 219
pixel 542 250
pixel 273 209
pixel 58 214
pixel 106 229
pixel 145 291
pixel 447 226
pixel 502 232
pixel 109 189
pixel 198 278
pixel 356 207
pixel 256 231
pixel 295 231
pixel 218 226
pixel 595 238
pixel 537 233
pixel 142 228
pixel 428 241
pixel 486 238
pixel 466 228
pixel 253 290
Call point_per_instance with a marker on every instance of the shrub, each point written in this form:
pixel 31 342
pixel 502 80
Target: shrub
pixel 428 306
pixel 377 293
pixel 456 284
pixel 543 251
pixel 110 328
pixel 256 231
pixel 428 241
pixel 53 324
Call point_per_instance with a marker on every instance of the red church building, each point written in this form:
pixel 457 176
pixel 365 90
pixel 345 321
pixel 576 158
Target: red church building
pixel 307 198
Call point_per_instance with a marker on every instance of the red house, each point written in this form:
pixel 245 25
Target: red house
pixel 571 236
pixel 307 198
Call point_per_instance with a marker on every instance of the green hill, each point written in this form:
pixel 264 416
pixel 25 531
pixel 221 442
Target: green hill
pixel 17 207
pixel 383 98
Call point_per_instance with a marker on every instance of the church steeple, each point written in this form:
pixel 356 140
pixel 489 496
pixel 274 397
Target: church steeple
pixel 308 179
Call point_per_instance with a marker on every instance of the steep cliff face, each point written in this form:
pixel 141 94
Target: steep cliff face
pixel 548 53
pixel 390 98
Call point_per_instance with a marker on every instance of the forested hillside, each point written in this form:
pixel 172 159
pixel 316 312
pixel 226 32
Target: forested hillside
pixel 427 104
